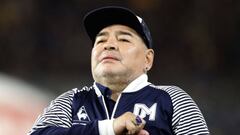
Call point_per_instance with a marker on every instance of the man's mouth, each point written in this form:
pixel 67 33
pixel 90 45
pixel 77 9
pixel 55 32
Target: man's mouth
pixel 109 58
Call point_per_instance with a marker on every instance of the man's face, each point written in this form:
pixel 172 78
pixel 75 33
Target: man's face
pixel 119 53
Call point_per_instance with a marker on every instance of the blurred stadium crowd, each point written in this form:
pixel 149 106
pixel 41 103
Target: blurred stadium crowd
pixel 196 42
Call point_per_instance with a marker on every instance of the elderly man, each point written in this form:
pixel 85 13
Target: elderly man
pixel 121 100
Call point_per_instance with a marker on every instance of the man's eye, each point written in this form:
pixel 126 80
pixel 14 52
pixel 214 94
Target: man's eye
pixel 124 40
pixel 100 41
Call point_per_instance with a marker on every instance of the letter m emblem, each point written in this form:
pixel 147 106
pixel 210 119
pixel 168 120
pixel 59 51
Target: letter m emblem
pixel 142 110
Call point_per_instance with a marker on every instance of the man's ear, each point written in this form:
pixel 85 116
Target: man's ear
pixel 149 57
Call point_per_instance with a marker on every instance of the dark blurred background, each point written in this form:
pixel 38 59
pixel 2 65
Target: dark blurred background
pixel 196 43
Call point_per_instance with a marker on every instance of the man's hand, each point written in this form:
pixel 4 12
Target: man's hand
pixel 129 124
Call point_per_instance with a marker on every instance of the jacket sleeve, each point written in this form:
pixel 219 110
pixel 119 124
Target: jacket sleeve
pixel 57 119
pixel 187 118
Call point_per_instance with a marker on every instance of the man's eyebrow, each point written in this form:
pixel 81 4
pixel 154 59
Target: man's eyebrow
pixel 119 33
pixel 101 34
pixel 125 33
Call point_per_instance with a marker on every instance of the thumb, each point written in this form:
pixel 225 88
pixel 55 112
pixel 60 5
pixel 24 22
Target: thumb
pixel 143 132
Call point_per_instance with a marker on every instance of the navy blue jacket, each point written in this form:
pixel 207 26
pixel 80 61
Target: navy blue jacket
pixel 167 110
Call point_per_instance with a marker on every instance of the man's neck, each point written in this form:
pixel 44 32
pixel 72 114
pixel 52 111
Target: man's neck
pixel 116 85
pixel 116 89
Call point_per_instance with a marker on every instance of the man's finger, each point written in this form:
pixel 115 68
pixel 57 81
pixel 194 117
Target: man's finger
pixel 143 132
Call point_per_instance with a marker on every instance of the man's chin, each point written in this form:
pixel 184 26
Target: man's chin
pixel 109 73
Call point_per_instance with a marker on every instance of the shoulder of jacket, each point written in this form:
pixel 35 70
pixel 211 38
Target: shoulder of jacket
pixel 83 89
pixel 166 88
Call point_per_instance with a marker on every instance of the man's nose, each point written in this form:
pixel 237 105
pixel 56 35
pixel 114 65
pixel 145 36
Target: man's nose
pixel 111 45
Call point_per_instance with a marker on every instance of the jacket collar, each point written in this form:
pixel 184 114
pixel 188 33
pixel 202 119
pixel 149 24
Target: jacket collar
pixel 134 86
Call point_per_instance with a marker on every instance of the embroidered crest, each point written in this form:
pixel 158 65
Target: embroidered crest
pixel 83 116
pixel 142 110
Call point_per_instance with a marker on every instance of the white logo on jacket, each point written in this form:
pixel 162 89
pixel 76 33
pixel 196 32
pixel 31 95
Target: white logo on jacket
pixel 142 110
pixel 82 115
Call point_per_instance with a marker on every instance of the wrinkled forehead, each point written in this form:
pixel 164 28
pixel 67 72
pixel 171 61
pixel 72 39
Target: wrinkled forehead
pixel 118 29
